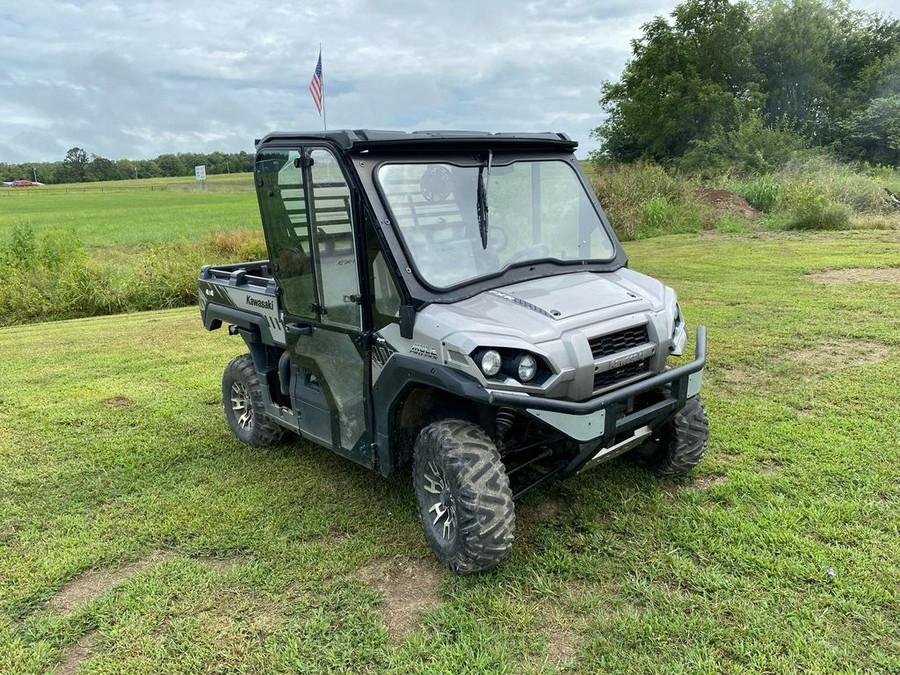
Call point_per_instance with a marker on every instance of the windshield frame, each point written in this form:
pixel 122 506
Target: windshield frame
pixel 367 165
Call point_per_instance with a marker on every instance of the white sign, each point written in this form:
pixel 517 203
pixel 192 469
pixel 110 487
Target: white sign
pixel 200 172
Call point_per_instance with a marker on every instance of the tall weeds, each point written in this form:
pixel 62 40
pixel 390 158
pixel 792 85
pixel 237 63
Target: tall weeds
pixel 644 200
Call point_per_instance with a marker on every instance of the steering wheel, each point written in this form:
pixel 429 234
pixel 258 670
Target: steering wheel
pixel 435 184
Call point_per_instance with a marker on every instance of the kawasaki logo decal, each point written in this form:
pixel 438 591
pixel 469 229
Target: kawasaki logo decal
pixel 261 304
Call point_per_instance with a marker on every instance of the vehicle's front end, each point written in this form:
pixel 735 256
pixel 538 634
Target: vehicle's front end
pixel 568 371
pixel 521 298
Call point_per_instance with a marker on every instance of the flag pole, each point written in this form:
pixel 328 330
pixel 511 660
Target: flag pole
pixel 324 118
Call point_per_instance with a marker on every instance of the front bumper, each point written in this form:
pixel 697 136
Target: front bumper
pixel 597 423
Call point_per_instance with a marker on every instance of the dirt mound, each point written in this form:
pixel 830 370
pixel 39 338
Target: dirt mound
pixel 727 203
pixel 409 587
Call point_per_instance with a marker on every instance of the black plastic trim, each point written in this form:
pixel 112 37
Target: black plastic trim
pixel 397 375
pixel 363 139
pixel 216 312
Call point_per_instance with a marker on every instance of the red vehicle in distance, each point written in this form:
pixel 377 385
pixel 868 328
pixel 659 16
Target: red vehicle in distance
pixel 22 183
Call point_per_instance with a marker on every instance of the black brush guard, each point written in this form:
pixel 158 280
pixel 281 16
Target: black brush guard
pixel 614 403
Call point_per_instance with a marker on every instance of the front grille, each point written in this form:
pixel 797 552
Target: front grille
pixel 618 342
pixel 611 377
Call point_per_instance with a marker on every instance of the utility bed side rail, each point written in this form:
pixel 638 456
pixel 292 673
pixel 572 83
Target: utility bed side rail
pixel 257 272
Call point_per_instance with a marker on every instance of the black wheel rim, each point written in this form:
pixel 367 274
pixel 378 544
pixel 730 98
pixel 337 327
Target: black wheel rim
pixel 442 510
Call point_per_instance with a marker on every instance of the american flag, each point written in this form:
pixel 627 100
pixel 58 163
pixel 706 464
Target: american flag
pixel 315 85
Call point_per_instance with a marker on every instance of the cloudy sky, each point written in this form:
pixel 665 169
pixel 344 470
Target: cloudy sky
pixel 137 78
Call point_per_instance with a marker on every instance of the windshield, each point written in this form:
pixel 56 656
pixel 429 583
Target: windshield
pixel 536 210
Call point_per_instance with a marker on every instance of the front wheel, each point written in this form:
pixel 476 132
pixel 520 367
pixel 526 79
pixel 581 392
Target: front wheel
pixel 243 402
pixel 463 495
pixel 680 444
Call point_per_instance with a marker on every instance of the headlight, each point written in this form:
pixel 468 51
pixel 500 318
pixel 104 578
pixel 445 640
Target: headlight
pixel 526 368
pixel 491 362
pixel 504 363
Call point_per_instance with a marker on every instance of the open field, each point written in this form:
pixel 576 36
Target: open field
pixel 226 182
pixel 136 535
pixel 130 216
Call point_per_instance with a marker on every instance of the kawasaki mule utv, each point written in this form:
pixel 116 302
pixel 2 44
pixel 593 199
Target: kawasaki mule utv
pixel 454 304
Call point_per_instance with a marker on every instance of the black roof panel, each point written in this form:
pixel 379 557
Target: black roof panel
pixel 361 139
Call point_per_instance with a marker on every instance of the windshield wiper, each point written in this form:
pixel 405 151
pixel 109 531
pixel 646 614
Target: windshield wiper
pixel 482 200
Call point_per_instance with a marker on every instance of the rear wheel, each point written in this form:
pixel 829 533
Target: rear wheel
pixel 243 402
pixel 680 444
pixel 463 495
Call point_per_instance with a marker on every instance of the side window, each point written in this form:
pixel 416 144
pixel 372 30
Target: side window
pixel 386 305
pixel 282 204
pixel 331 214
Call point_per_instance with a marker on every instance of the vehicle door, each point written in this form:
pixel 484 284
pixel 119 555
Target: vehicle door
pixel 311 224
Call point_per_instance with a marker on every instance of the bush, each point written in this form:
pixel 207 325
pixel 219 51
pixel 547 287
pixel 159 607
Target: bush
pixel 750 149
pixel 660 216
pixel 839 183
pixel 813 211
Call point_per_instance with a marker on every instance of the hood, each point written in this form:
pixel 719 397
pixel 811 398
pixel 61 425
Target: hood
pixel 543 309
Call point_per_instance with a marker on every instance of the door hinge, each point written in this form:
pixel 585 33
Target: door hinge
pixel 373 449
pixel 317 308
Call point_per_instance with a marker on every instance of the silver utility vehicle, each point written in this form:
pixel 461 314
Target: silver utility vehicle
pixel 454 304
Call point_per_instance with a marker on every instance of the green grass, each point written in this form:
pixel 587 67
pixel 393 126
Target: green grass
pixel 128 218
pixel 780 554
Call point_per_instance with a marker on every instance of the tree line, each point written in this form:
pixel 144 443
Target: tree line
pixel 742 86
pixel 80 167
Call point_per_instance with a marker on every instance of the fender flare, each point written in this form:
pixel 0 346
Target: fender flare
pixel 398 374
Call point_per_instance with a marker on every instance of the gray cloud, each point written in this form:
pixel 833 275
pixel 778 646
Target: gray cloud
pixel 139 78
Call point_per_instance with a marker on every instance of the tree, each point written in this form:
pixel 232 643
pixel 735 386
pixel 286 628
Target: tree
pixel 103 169
pixel 873 134
pixel 685 80
pixel 75 165
pixel 809 70
pixel 172 165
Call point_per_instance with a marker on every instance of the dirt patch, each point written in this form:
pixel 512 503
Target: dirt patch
pixel 726 203
pixel 118 402
pixel 562 643
pixel 543 510
pixel 770 468
pixel 80 651
pixel 849 275
pixel 409 588
pixel 835 353
pixel 706 482
pixel 94 584
pixel 737 377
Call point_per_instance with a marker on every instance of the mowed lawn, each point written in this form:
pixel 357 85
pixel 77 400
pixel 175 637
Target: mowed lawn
pixel 129 213
pixel 137 536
